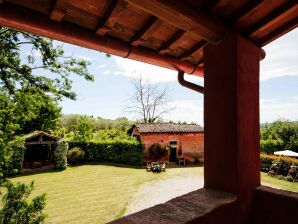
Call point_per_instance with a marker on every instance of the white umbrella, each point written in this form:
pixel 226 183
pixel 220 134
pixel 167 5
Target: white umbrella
pixel 286 153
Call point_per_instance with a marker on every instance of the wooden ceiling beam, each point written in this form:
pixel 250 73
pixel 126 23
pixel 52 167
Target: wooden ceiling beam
pixel 57 14
pixel 180 15
pixel 272 17
pixel 279 32
pixel 193 50
pixel 110 18
pixel 166 47
pixel 147 31
pixel 245 10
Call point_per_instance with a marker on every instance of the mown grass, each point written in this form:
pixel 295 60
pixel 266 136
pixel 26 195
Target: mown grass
pixel 90 193
pixel 100 193
pixel 278 183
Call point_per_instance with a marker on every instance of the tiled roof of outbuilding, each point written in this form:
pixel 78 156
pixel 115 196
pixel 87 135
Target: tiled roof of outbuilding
pixel 168 127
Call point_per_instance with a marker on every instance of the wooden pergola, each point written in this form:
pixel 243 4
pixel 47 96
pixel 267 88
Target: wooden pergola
pixel 220 40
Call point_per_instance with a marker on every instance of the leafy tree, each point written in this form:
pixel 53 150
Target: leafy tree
pixel 280 135
pixel 84 130
pixel 30 88
pixel 16 208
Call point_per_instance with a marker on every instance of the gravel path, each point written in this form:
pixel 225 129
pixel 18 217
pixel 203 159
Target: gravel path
pixel 157 192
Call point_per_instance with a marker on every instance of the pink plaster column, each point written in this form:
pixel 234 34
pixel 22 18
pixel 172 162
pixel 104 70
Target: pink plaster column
pixel 231 113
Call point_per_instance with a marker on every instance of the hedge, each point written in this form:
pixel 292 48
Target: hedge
pixel 266 161
pixel 122 152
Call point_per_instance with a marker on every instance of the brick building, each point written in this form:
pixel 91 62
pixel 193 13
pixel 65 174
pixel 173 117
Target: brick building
pixel 183 140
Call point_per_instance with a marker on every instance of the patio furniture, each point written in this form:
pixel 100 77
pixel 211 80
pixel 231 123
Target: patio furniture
pixel 181 160
pixel 163 167
pixel 149 167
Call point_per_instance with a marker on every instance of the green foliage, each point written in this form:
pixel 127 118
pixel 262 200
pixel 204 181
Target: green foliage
pixel 19 73
pixel 84 130
pixel 75 155
pixel 113 134
pixel 11 157
pixel 16 208
pixel 280 135
pixel 69 123
pixel 60 155
pixel 157 152
pixel 115 151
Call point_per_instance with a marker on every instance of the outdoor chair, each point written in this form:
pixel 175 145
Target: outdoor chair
pixel 181 161
pixel 163 167
pixel 149 167
pixel 275 168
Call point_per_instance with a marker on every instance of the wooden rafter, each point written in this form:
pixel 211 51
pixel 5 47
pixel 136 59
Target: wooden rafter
pixel 279 32
pixel 147 30
pixel 58 11
pixel 57 14
pixel 211 4
pixel 272 17
pixel 193 50
pixel 245 10
pixel 197 22
pixel 110 18
pixel 166 47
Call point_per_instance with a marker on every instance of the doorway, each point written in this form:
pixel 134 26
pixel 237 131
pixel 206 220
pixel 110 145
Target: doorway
pixel 173 151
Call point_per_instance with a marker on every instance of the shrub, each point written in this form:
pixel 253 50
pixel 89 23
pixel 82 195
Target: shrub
pixel 287 162
pixel 115 151
pixel 60 155
pixel 16 208
pixel 11 156
pixel 75 155
pixel 157 152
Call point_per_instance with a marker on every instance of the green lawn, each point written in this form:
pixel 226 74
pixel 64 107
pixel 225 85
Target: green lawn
pixel 100 193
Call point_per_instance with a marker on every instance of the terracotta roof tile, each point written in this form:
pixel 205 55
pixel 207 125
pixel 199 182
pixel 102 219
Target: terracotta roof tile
pixel 167 127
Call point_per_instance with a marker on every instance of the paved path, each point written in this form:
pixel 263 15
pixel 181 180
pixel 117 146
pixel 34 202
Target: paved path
pixel 160 191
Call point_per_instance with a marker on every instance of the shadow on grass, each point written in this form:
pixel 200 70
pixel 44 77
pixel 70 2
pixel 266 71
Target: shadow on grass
pixel 34 172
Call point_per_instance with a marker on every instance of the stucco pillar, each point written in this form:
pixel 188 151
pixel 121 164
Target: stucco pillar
pixel 231 113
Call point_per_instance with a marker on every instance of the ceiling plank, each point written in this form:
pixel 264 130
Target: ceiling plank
pixel 180 15
pixel 193 50
pixel 166 47
pixel 279 32
pixel 147 31
pixel 272 17
pixel 114 11
pixel 37 23
pixel 245 10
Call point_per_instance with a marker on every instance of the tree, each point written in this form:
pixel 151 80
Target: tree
pixel 16 208
pixel 34 84
pixel 149 102
pixel 30 87
pixel 280 135
pixel 84 130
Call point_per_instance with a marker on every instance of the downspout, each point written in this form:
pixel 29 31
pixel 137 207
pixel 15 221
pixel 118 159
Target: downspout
pixel 189 85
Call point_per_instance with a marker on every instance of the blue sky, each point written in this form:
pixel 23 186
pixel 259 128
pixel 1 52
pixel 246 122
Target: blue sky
pixel 111 90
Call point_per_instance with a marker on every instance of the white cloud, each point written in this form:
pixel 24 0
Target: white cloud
pixel 102 66
pixel 272 109
pixel 149 72
pixel 90 59
pixel 281 57
pixel 186 110
pixel 107 72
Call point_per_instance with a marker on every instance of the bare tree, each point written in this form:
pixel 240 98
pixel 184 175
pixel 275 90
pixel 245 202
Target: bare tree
pixel 149 102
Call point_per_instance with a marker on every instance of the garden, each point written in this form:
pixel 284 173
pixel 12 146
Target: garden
pixel 98 193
